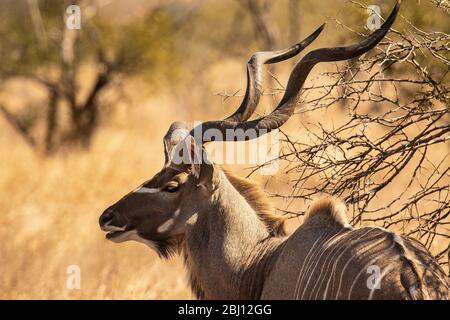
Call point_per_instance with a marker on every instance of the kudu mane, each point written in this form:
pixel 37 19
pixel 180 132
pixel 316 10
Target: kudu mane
pixel 257 199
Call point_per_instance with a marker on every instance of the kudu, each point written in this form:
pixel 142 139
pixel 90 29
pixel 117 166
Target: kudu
pixel 235 247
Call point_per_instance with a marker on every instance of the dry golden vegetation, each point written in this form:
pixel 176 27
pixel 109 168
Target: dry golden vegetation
pixel 50 204
pixel 51 208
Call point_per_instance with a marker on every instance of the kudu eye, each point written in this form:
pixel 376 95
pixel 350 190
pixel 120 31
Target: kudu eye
pixel 171 187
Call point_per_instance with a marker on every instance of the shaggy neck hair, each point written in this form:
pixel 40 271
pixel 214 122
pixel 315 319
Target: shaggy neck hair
pixel 257 199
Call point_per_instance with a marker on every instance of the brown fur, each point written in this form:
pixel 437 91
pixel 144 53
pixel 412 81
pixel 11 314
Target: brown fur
pixel 327 208
pixel 258 200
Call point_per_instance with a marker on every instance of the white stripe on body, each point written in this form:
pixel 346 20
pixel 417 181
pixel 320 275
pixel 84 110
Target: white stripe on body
pixel 362 238
pixel 317 259
pixel 367 265
pixel 300 274
pixel 333 261
pixel 329 259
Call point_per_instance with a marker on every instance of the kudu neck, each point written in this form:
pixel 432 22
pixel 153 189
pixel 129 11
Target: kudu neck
pixel 229 249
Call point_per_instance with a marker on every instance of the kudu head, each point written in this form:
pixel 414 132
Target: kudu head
pixel 158 212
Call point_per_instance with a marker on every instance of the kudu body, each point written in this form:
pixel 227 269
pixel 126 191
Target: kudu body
pixel 235 247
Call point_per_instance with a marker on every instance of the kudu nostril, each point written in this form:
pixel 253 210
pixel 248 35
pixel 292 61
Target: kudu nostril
pixel 105 217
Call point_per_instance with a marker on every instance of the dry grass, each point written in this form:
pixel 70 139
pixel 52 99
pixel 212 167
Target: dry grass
pixel 50 208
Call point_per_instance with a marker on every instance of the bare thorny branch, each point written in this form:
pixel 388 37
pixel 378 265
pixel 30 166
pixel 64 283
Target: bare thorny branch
pixel 396 129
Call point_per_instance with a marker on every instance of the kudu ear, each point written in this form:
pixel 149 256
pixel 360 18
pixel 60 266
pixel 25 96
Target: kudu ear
pixel 201 167
pixel 195 153
pixel 190 156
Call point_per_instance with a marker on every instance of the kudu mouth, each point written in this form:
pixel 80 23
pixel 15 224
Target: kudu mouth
pixel 110 235
pixel 114 225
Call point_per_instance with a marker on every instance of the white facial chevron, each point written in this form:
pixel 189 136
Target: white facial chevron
pixel 146 190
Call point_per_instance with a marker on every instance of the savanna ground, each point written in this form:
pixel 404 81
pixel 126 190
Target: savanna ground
pixel 50 204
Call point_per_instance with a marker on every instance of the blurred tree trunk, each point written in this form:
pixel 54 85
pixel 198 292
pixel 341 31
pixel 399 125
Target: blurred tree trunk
pixel 64 88
pixel 19 126
pixel 265 29
pixel 85 116
pixel 52 120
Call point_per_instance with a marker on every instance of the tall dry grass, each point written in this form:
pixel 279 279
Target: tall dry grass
pixel 50 208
